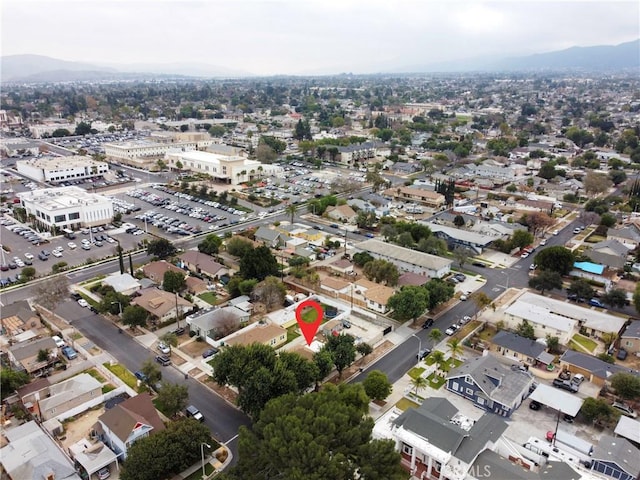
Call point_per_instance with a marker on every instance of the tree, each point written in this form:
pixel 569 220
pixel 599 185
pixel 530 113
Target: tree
pixel 626 385
pixel 167 452
pixel 134 316
pixel 587 218
pixel 609 338
pixel 432 245
pixel 521 239
pixel 435 335
pixel 113 302
pixel 558 259
pixel 480 300
pixel 596 410
pixel 43 355
pixel 364 349
pixel 52 291
pixel 321 435
pixel 458 221
pixel 381 271
pixel 547 171
pixel 152 371
pixel 525 329
pixel 409 303
pixel 238 246
pixel 360 259
pixel 461 254
pixel 28 273
pixel 616 297
pixel 538 223
pixel 636 298
pixel 11 380
pixel 170 339
pixel 581 288
pixel 172 398
pixel 343 351
pixel 455 348
pixel 259 374
pixel 439 292
pixel 546 280
pixel 419 383
pixel 438 358
pixel 595 183
pixel 161 248
pixel 210 245
pixel 173 282
pixel 553 343
pixel 258 263
pixel 323 360
pixel 377 385
pixel 291 210
pixel 271 292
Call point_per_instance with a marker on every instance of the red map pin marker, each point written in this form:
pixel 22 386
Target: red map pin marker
pixel 309 329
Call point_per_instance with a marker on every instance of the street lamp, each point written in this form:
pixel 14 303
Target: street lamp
pixel 419 345
pixel 119 306
pixel 204 474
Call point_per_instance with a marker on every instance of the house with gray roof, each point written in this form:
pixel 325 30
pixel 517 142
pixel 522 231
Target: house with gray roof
pixel 610 253
pixel 69 394
pixel 520 349
pixel 629 236
pixel 489 464
pixel 214 323
pixel 616 457
pixel 630 338
pixel 32 454
pixel 457 237
pixel 490 385
pixel 270 237
pixel 435 437
pixel 595 370
pixel 405 259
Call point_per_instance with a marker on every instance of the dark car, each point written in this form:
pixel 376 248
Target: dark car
pixel 93 309
pixel 163 360
pixel 192 411
pixel 179 331
pixel 422 354
pixel 565 385
pixel 141 376
pixel 479 264
pixel 209 352
pixel 427 323
pixel 534 405
pixel 75 295
pixel 43 257
pixel 12 265
pixel 622 354
pixel 460 277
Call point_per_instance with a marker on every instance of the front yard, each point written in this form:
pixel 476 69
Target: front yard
pixel 585 342
pixel 122 373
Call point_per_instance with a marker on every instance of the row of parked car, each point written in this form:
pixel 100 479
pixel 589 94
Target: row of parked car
pixel 27 233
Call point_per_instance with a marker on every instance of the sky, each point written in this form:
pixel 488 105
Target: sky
pixel 302 37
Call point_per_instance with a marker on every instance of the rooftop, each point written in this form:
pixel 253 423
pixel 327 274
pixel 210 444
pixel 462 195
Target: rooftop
pixel 62 197
pixel 412 257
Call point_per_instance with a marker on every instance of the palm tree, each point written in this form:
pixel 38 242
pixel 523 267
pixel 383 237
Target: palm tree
pixel 438 358
pixel 435 335
pixel 609 338
pixel 419 383
pixel 291 209
pixel 455 347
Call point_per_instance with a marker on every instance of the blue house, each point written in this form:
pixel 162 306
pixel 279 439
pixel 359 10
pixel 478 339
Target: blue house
pixel 616 457
pixel 490 385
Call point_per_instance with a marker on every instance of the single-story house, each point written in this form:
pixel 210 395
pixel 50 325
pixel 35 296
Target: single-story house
pixel 17 317
pixel 595 370
pixel 25 354
pixel 377 298
pixel 156 270
pixel 457 237
pixel 410 278
pixel 162 305
pixel 334 285
pixel 201 263
pixel 405 259
pixel 506 469
pixel 195 285
pixel 342 265
pixel 270 237
pixel 592 271
pixel 520 349
pixel 428 198
pixel 264 333
pixel 68 394
pixel 544 321
pixel 490 385
pixel 122 283
pixel 630 338
pixel 124 424
pixel 30 453
pixel 611 253
pixel 243 302
pixel 215 323
pixel 629 236
pixel 342 213
pixel 616 457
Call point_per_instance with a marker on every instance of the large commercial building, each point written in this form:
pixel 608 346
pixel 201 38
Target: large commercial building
pixel 231 169
pixel 67 207
pixel 61 169
pixel 146 153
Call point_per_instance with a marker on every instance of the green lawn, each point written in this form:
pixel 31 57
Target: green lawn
pixel 435 381
pixel 197 475
pixel 122 373
pixel 585 342
pixel 429 360
pixel 405 404
pixel 208 297
pixel 309 315
pixel 415 372
pixel 292 333
pixel 95 374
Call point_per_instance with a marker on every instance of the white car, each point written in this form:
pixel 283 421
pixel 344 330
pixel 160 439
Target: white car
pixel 28 255
pixel 60 249
pixel 555 232
pixel 164 348
pixel 19 262
pixel 56 253
pixel 463 298
pixel 72 245
pixel 58 341
pixel 543 242
pixel 83 303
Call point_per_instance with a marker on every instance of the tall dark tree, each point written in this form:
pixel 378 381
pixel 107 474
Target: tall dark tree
pixel 558 259
pixel 546 280
pixel 161 248
pixel 258 263
pixel 342 349
pixel 319 436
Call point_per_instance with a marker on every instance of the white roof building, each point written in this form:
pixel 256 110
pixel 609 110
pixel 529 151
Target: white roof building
pixel 67 207
pixel 233 169
pixel 60 169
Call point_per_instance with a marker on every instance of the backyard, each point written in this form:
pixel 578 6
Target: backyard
pixel 122 373
pixel 584 342
pixel 208 297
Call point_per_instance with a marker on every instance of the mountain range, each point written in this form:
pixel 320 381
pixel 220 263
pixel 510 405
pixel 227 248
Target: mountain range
pixel 38 68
